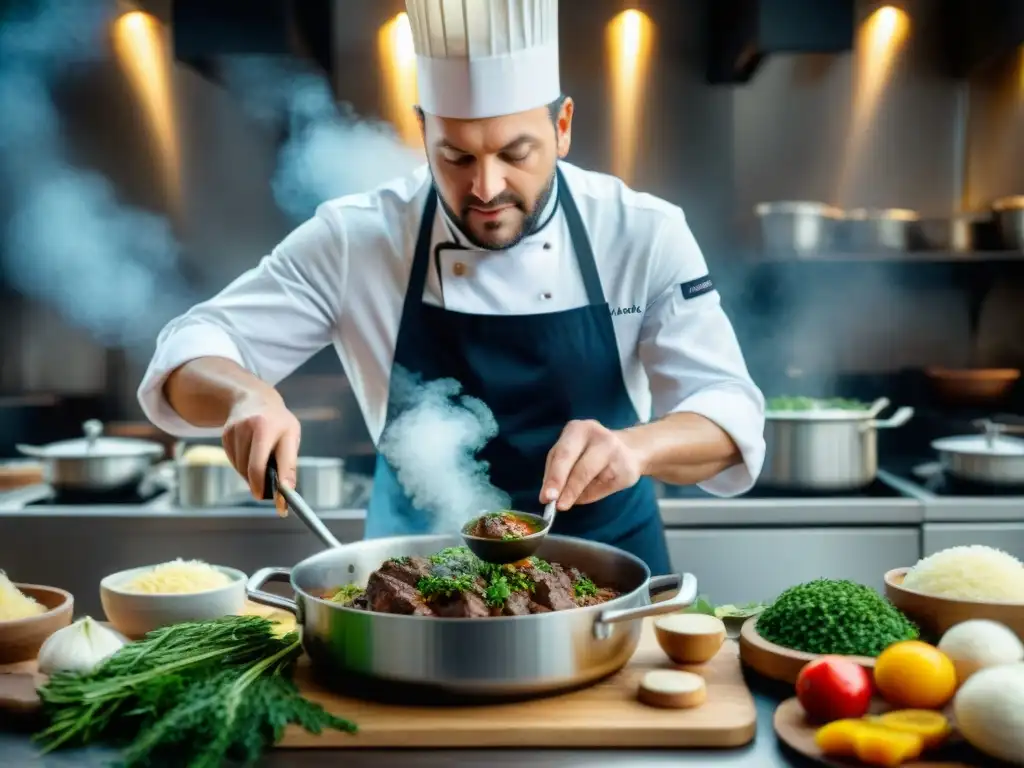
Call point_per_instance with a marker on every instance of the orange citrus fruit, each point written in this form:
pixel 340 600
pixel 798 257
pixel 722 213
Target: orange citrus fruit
pixel 915 675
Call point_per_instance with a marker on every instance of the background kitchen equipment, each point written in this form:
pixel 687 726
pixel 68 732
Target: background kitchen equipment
pixel 959 233
pixel 1009 212
pixel 825 451
pixel 971 386
pixel 804 228
pixel 207 480
pixel 96 464
pixel 867 230
pixel 580 645
pixel 991 458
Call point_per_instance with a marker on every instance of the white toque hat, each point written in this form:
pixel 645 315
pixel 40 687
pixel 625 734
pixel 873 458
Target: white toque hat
pixel 485 58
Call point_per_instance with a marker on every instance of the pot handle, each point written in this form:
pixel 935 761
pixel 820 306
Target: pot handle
pixel 685 588
pixel 898 419
pixel 254 589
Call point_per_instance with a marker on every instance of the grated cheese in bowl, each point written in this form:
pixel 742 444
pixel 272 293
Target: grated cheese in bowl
pixel 972 572
pixel 178 577
pixel 15 604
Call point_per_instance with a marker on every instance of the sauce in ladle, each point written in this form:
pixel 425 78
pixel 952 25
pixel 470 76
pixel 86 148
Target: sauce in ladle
pixel 507 536
pixel 503 526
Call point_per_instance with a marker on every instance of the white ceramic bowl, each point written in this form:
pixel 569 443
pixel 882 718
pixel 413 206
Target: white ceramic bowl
pixel 135 613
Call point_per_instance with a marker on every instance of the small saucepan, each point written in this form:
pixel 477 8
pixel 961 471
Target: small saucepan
pixel 96 464
pixel 992 458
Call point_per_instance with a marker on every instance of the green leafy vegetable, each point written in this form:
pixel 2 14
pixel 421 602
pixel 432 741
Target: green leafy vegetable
pixel 497 591
pixel 208 691
pixel 541 565
pixel 444 586
pixel 829 616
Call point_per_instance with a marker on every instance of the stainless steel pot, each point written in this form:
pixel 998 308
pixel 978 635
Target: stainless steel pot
pixel 96 463
pixel 870 230
pixel 321 481
pixel 826 450
pixel 1009 213
pixel 991 458
pixel 490 657
pixel 802 228
pixel 210 485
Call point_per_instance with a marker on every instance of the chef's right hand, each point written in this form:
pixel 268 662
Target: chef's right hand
pixel 258 425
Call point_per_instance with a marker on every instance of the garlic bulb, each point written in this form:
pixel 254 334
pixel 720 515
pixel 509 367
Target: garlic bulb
pixel 80 647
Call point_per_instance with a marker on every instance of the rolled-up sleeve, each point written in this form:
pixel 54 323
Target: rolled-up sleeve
pixel 692 357
pixel 270 320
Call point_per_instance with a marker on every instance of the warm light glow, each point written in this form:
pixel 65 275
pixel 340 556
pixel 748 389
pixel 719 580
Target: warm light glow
pixel 142 48
pixel 630 41
pixel 880 39
pixel 1020 71
pixel 398 67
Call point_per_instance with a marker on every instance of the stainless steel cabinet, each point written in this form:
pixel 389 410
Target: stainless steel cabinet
pixel 740 565
pixel 1008 537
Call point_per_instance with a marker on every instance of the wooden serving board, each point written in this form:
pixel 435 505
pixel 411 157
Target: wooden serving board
pixel 605 715
pixel 774 661
pixel 793 729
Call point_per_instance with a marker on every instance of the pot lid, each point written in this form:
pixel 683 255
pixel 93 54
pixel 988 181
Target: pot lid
pixel 981 445
pixel 93 446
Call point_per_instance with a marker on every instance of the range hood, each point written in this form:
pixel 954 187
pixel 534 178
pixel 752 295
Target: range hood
pixel 978 31
pixel 742 33
pixel 204 31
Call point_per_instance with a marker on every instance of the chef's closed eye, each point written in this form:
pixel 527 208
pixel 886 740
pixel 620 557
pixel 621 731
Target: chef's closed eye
pixel 455 157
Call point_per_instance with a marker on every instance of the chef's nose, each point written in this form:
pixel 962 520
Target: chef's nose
pixel 489 180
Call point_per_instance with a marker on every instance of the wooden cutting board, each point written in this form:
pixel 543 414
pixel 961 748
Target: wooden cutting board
pixel 605 715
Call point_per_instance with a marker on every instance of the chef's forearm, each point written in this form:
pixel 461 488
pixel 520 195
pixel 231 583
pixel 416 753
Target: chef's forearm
pixel 203 391
pixel 683 448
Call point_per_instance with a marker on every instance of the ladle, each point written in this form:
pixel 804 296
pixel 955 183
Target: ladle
pixel 503 551
pixel 302 510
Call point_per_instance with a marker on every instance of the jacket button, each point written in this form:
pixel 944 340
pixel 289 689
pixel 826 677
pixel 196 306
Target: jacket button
pixel 459 269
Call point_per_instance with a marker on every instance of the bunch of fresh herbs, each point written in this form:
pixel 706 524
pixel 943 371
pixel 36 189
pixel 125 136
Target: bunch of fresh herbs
pixel 208 690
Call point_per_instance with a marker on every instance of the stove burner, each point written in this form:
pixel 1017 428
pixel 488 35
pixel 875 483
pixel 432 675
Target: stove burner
pixel 129 496
pixel 942 484
pixel 877 490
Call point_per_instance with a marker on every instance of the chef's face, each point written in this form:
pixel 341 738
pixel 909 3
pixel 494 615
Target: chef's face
pixel 495 176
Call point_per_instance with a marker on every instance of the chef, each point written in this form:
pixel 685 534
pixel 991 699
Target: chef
pixel 581 312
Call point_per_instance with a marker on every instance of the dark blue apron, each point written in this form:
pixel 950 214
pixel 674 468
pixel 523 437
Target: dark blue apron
pixel 536 373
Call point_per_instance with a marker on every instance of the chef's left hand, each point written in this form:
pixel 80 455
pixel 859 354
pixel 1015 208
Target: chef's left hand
pixel 588 463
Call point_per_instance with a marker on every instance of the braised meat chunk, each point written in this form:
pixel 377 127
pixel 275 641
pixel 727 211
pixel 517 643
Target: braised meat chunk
pixel 505 526
pixel 454 583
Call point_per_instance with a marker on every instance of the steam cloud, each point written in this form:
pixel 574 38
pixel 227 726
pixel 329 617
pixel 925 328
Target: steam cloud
pixel 432 447
pixel 329 152
pixel 106 267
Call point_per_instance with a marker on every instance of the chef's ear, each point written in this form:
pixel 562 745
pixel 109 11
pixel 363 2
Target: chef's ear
pixel 563 126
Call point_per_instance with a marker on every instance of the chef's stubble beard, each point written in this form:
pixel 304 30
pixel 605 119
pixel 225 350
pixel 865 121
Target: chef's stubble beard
pixel 530 222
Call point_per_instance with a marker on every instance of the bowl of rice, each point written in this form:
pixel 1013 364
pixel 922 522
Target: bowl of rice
pixel 957 584
pixel 140 600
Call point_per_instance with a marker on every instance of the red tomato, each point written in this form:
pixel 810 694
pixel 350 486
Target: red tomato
pixel 833 688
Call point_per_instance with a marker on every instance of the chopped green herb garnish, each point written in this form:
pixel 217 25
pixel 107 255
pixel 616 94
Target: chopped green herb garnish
pixel 399 560
pixel 347 593
pixel 584 587
pixel 510 536
pixel 541 565
pixel 446 586
pixel 497 592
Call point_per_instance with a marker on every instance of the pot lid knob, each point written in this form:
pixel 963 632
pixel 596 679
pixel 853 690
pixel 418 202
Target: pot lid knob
pixel 93 428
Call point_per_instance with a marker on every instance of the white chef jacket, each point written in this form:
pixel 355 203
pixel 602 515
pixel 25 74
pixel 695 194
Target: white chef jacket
pixel 340 278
